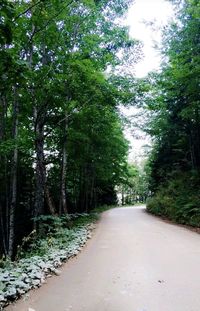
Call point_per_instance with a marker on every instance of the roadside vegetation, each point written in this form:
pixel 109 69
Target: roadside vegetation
pixel 42 253
pixel 134 186
pixel 64 71
pixel 174 109
pixel 62 147
pixel 63 153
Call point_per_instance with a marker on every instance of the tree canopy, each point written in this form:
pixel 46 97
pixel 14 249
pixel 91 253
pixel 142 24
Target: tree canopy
pixel 175 123
pixel 62 148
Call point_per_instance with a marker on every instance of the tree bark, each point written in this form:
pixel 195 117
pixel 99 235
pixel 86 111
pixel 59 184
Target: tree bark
pixel 40 112
pixel 49 201
pixel 13 188
pixel 122 195
pixel 197 142
pixel 3 180
pixel 63 196
pixel 40 170
pixel 192 154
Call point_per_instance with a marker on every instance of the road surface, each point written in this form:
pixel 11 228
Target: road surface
pixel 134 262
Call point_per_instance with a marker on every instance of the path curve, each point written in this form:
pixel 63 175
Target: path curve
pixel 134 262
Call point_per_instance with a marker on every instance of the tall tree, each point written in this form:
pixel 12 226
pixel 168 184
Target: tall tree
pixel 57 98
pixel 175 123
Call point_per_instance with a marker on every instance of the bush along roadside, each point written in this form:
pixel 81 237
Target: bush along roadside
pixel 39 258
pixel 178 200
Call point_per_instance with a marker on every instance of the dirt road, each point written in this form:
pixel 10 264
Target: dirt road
pixel 134 262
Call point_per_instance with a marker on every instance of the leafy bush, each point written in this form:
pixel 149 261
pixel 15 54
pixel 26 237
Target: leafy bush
pixel 55 232
pixel 178 199
pixel 42 252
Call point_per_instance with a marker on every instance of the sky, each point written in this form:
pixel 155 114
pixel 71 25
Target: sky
pixel 141 14
pixel 157 11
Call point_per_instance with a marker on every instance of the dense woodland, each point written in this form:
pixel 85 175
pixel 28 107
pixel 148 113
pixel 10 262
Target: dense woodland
pixel 62 148
pixel 64 77
pixel 174 108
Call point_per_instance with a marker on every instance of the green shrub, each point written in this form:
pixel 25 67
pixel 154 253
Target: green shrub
pixel 54 232
pixel 178 199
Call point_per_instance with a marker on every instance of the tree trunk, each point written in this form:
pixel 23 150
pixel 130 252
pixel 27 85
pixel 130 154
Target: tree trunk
pixel 92 190
pixel 13 188
pixel 2 118
pixel 3 179
pixel 122 195
pixel 63 197
pixel 3 158
pixel 197 140
pixel 40 175
pixel 40 171
pixel 49 201
pixel 3 234
pixel 192 154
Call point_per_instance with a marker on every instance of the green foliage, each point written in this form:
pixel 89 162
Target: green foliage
pixel 178 199
pixel 85 219
pixel 7 14
pixel 133 187
pixel 57 101
pixel 175 120
pixel 101 209
pixel 55 232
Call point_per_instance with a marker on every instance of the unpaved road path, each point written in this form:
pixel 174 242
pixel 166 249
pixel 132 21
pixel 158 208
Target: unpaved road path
pixel 134 262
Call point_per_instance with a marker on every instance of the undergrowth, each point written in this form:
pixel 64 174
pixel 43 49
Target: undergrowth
pixel 178 199
pixel 53 232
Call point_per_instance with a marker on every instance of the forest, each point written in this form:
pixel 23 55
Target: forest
pixel 66 71
pixel 173 106
pixel 62 145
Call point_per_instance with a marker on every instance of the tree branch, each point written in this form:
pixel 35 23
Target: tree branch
pixel 28 9
pixel 49 21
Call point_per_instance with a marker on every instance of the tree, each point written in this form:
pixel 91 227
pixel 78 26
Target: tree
pixel 61 138
pixel 175 122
